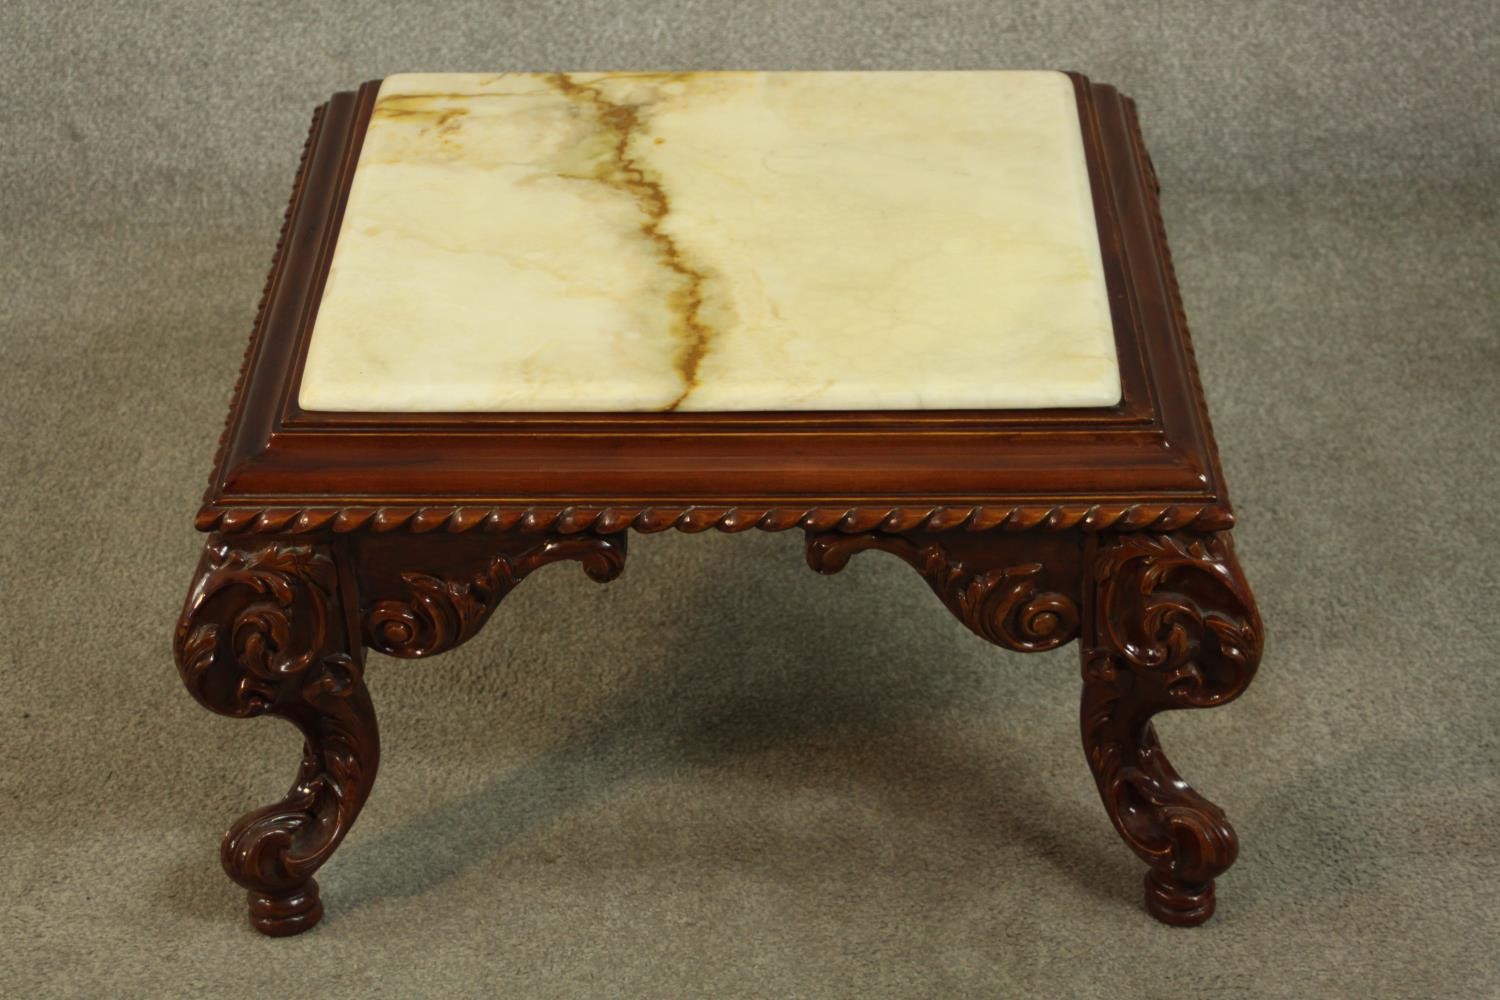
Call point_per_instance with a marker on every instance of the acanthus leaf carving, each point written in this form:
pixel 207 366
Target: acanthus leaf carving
pixel 1004 605
pixel 440 613
pixel 1173 625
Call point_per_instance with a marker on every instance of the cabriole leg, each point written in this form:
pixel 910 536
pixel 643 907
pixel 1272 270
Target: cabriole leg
pixel 1168 622
pixel 265 632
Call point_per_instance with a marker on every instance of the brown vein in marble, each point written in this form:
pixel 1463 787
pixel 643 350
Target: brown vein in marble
pixel 628 175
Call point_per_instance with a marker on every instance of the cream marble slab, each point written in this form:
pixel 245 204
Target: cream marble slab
pixel 717 241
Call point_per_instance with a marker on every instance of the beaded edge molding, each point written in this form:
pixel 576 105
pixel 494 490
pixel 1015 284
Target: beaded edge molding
pixel 693 518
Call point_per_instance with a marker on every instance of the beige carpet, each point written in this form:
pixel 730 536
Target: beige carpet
pixel 741 779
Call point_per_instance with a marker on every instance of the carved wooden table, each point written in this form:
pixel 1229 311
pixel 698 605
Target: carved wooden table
pixel 930 314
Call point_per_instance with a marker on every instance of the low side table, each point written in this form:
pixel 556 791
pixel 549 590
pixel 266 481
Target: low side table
pixel 512 318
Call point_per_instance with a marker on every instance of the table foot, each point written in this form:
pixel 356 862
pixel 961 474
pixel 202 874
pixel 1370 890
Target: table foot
pixel 286 914
pixel 1176 904
pixel 1169 622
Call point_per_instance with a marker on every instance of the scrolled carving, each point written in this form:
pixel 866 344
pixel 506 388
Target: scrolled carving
pixel 277 627
pixel 262 634
pixel 1173 625
pixel 440 613
pixel 1003 605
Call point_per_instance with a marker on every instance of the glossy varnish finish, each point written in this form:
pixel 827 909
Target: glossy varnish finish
pixel 1153 448
pixel 402 532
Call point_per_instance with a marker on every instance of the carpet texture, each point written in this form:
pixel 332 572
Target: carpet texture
pixel 737 778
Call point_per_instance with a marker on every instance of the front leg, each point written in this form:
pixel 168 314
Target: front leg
pixel 266 631
pixel 1169 622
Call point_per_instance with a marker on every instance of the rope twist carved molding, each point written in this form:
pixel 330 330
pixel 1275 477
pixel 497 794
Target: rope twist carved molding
pixel 440 614
pixel 693 518
pixel 261 634
pixel 1174 625
pixel 1002 605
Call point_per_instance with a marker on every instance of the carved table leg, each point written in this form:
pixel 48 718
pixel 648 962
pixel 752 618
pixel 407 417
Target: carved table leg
pixel 266 631
pixel 1168 622
pixel 277 627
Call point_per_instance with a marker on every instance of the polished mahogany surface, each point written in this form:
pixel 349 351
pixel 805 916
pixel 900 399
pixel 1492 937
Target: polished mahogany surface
pixel 332 533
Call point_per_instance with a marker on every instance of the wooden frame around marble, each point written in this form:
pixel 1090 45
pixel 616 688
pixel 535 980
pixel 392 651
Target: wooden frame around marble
pixel 402 532
pixel 1154 448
